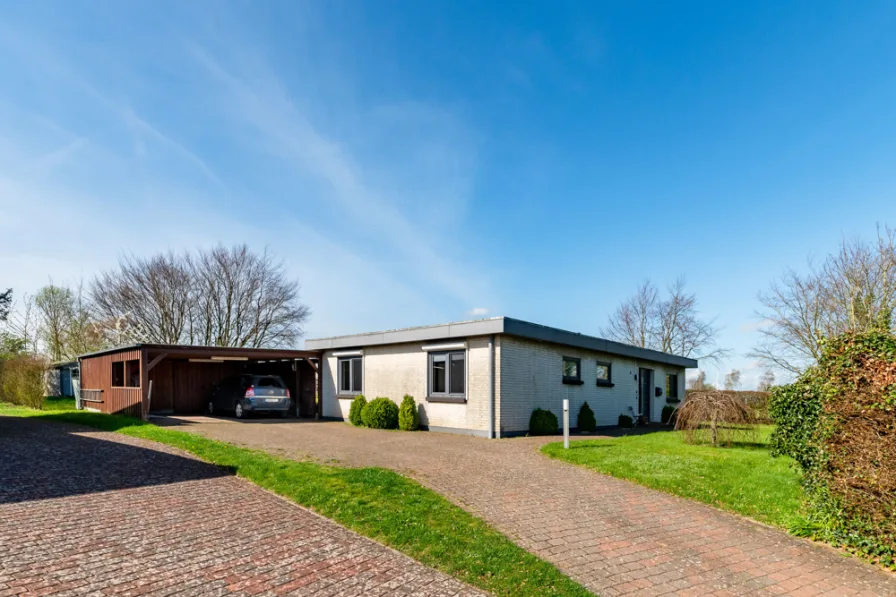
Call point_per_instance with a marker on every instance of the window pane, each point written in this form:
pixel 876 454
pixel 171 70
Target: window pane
pixel 356 375
pixel 603 372
pixel 438 374
pixel 345 375
pixel 269 382
pixel 456 376
pixel 118 374
pixel 570 368
pixel 132 374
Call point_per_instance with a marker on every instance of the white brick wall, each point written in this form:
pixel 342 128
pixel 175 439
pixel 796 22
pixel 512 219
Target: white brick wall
pixel 395 370
pixel 528 375
pixel 531 377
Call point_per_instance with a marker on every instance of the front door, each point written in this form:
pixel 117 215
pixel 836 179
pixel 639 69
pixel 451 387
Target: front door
pixel 645 384
pixel 306 405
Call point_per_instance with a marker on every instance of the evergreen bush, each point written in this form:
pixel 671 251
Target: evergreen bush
pixel 354 412
pixel 586 419
pixel 408 417
pixel 542 422
pixel 380 413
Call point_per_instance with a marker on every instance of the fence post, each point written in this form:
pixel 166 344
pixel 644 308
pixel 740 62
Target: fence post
pixel 566 423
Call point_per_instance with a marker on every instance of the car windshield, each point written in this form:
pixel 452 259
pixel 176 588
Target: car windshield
pixel 269 382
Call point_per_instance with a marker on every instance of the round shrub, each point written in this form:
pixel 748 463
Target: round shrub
pixel 354 413
pixel 626 422
pixel 380 413
pixel 408 418
pixel 668 413
pixel 542 422
pixel 587 422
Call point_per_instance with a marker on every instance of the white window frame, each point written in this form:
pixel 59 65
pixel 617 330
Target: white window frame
pixel 447 395
pixel 355 360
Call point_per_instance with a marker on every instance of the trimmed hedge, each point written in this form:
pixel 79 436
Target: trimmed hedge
pixel 838 421
pixel 542 422
pixel 354 412
pixel 408 417
pixel 380 413
pixel 626 421
pixel 586 420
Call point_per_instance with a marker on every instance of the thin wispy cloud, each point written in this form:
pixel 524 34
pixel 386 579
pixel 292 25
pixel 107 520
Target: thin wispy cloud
pixel 236 155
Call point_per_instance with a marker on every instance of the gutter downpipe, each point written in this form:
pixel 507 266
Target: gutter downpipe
pixel 491 387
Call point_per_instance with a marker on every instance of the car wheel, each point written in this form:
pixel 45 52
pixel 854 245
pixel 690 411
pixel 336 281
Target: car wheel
pixel 211 408
pixel 238 411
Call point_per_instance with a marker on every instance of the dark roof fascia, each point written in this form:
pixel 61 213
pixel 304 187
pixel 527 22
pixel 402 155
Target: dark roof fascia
pixel 178 349
pixel 498 325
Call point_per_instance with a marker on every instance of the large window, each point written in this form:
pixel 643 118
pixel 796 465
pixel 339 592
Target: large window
pixel 572 370
pixel 672 386
pixel 126 374
pixel 604 373
pixel 350 375
pixel 448 375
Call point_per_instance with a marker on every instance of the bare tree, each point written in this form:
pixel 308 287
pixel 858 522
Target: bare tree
pixel 852 290
pixel 54 314
pixel 21 328
pixel 217 297
pixel 700 383
pixel 5 304
pixel 148 300
pixel 84 334
pixel 245 299
pixel 634 321
pixel 766 381
pixel 732 379
pixel 671 324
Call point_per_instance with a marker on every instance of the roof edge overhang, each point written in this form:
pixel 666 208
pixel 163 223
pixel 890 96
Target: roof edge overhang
pixel 499 325
pixel 185 351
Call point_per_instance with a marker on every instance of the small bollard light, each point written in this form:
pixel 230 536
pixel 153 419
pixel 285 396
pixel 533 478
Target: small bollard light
pixel 566 424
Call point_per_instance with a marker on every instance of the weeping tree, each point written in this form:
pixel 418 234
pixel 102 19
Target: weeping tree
pixel 717 418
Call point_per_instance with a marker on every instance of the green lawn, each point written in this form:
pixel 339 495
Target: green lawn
pixel 377 503
pixel 745 479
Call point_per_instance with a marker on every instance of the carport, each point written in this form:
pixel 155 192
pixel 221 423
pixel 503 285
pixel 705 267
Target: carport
pixel 161 378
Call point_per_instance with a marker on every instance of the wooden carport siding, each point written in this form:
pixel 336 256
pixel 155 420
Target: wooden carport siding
pixel 183 376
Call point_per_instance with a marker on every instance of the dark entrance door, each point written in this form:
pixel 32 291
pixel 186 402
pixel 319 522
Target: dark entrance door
pixel 162 377
pixel 645 385
pixel 305 401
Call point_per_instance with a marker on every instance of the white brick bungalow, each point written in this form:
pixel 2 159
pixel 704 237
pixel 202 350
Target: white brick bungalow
pixel 485 377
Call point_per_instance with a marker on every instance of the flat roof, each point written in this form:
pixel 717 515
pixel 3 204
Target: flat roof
pixel 498 325
pixel 187 351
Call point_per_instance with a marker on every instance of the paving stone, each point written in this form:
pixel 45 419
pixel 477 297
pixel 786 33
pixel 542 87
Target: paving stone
pixel 91 513
pixel 606 533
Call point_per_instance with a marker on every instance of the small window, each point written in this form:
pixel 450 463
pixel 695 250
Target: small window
pixel 448 375
pixel 269 382
pixel 350 375
pixel 604 373
pixel 118 374
pixel 572 370
pixel 672 386
pixel 132 373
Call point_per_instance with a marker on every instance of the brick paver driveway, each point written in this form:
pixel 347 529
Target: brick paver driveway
pixel 616 537
pixel 95 513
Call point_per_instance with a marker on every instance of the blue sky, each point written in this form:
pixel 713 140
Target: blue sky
pixel 419 162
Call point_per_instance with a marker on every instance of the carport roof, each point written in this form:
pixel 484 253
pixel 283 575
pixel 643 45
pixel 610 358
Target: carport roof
pixel 498 325
pixel 187 351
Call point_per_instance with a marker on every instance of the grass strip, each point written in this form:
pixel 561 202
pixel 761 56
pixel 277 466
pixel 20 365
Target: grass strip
pixel 743 479
pixel 373 502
